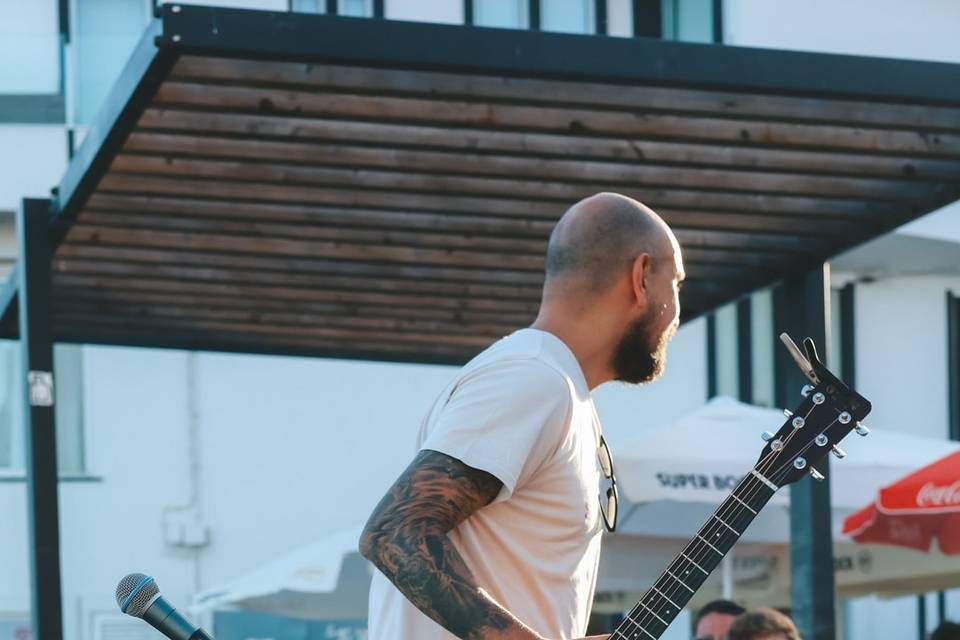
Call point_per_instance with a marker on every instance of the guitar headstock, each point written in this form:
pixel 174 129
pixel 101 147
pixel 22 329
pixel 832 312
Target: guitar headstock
pixel 828 411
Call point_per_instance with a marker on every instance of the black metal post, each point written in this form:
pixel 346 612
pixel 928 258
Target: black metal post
pixel 600 17
pixel 802 309
pixel 941 607
pixel 745 350
pixel 533 15
pixel 468 12
pixel 922 616
pixel 40 441
pixel 848 335
pixel 953 366
pixel 647 19
pixel 711 355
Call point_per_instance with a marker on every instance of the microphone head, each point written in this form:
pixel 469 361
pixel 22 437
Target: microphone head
pixel 135 593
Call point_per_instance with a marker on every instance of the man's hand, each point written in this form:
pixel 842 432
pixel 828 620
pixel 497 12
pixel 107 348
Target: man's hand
pixel 406 538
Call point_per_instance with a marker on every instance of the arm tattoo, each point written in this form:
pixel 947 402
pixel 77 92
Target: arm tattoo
pixel 406 538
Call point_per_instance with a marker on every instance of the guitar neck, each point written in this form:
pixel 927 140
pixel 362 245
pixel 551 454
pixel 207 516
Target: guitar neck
pixel 689 570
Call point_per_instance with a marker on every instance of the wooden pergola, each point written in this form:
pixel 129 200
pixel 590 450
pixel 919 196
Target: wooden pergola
pixel 326 186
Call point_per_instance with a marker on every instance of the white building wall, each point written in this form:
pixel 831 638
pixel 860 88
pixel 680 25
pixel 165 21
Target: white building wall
pixel 33 159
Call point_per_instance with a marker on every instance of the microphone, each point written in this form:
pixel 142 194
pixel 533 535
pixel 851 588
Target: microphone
pixel 138 596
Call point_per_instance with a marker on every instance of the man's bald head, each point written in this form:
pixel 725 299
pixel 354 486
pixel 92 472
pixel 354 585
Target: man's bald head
pixel 597 237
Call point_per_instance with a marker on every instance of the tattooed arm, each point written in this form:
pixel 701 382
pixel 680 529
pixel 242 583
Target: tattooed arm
pixel 406 538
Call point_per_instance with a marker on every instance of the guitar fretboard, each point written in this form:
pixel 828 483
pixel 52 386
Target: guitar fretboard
pixel 688 571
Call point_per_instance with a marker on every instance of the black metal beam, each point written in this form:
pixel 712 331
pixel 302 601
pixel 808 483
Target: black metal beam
pixel 802 309
pixel 718 21
pixel 711 355
pixel 848 336
pixel 146 69
pixel 40 441
pixel 288 36
pixel 533 15
pixel 647 18
pixel 600 17
pixel 953 365
pixel 745 350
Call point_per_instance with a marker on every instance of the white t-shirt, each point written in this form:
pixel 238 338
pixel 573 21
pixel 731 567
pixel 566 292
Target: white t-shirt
pixel 520 410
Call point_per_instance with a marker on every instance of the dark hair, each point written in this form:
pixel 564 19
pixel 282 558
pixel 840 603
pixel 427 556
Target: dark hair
pixel 946 631
pixel 761 623
pixel 725 607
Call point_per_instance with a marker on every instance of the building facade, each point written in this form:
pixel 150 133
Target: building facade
pixel 198 467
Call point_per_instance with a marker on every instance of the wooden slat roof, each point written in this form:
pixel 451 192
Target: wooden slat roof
pixel 286 183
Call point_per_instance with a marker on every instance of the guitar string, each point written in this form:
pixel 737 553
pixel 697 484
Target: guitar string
pixel 700 544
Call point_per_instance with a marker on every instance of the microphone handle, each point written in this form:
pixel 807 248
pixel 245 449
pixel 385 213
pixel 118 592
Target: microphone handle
pixel 163 617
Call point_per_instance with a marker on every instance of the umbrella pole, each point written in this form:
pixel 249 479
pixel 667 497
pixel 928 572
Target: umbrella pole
pixel 727 574
pixel 921 616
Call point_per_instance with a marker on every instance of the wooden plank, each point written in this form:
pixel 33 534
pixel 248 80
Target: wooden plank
pixel 67 295
pixel 310 264
pixel 473 224
pixel 557 119
pixel 360 325
pixel 245 291
pixel 289 156
pixel 373 195
pixel 161 318
pixel 248 237
pixel 568 146
pixel 698 263
pixel 594 94
pixel 203 336
pixel 229 273
pixel 435 239
pixel 297 247
pixel 566 190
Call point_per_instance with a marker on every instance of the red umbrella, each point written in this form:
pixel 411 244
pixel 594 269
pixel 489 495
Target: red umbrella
pixel 914 510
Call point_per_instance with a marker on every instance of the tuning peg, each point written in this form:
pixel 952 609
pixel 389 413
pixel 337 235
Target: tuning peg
pixel 862 429
pixel 767 436
pixel 840 453
pixel 844 417
pixel 800 463
pixel 806 389
pixel 788 413
pixel 816 475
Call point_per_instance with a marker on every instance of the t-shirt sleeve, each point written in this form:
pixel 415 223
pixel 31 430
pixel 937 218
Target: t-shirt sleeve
pixel 506 418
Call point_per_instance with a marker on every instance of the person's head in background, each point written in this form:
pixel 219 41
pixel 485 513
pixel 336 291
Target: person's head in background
pixel 946 631
pixel 763 624
pixel 714 619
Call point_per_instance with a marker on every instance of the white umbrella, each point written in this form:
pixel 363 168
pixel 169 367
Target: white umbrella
pixel 325 580
pixel 672 478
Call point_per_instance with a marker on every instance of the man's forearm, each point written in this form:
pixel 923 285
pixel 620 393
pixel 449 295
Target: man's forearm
pixel 406 538
pixel 430 572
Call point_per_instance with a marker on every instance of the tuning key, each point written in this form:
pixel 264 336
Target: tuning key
pixel 862 429
pixel 788 413
pixel 840 453
pixel 800 463
pixel 767 436
pixel 816 475
pixel 806 390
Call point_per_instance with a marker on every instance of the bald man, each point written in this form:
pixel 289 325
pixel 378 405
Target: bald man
pixel 493 531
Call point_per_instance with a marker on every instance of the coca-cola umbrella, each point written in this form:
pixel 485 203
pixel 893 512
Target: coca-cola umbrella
pixel 915 510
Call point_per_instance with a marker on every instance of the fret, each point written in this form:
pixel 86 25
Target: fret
pixel 721 521
pixel 654 614
pixel 669 573
pixel 764 479
pixel 707 542
pixel 665 597
pixel 641 629
pixel 749 508
pixel 688 558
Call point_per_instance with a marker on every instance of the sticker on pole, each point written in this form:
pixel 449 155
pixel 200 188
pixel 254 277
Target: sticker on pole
pixel 41 388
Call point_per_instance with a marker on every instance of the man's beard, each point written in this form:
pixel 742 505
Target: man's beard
pixel 641 356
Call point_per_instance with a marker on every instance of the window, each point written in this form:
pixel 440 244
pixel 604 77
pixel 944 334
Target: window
pixel 740 343
pixel 358 8
pixel 723 346
pixel 570 16
pixel 68 387
pixel 689 20
pixel 29 47
pixel 509 14
pixel 308 6
pixel 763 341
pixel 105 34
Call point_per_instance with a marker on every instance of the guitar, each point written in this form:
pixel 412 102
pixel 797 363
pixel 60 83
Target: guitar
pixel 828 412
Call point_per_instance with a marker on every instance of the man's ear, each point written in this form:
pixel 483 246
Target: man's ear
pixel 640 278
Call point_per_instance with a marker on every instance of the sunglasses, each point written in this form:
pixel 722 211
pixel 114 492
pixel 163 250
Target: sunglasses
pixel 609 512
